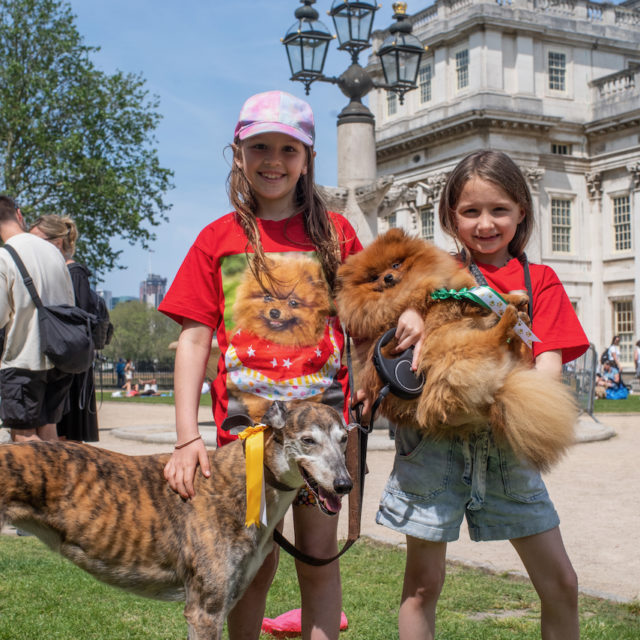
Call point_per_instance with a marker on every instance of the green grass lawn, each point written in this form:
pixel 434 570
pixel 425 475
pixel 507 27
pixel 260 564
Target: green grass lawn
pixel 630 405
pixel 42 596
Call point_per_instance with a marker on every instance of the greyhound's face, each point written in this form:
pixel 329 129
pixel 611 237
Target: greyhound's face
pixel 312 441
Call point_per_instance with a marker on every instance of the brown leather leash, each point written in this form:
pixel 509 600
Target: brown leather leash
pixel 356 460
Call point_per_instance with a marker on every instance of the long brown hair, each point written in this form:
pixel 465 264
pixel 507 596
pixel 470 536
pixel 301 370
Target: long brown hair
pixel 496 167
pixel 317 224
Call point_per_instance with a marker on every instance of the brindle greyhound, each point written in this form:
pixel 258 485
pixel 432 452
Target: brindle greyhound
pixel 115 516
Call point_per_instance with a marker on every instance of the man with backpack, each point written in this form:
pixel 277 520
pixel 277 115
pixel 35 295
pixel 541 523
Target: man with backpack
pixel 33 391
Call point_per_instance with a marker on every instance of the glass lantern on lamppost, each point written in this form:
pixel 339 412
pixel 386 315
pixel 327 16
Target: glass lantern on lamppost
pixel 401 53
pixel 353 22
pixel 307 42
pixel 308 39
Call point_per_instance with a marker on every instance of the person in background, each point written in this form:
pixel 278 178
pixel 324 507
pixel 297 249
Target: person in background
pixel 636 359
pixel 614 352
pixel 80 420
pixel 120 373
pixel 24 369
pixel 608 378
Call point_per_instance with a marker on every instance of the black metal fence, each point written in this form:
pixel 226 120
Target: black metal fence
pixel 107 378
pixel 580 375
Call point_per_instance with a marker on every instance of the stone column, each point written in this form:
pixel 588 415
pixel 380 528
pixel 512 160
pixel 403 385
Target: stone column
pixel 634 170
pixel 357 170
pixel 597 301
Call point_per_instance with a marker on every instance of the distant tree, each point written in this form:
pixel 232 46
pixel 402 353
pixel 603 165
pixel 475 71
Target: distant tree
pixel 75 140
pixel 142 333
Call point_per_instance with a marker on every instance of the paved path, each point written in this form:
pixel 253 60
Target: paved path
pixel 595 490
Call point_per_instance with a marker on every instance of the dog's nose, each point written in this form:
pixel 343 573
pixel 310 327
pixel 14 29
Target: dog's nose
pixel 388 278
pixel 274 314
pixel 342 486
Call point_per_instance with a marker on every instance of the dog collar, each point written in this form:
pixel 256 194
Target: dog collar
pixel 270 479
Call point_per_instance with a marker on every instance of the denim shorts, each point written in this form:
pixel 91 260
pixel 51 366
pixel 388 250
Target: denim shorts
pixel 434 483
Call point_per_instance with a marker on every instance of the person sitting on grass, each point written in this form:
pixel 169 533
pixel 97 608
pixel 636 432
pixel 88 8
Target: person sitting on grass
pixel 150 387
pixel 608 378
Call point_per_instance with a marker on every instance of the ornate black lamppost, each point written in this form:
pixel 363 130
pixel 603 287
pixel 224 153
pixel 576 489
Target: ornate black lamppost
pixel 359 192
pixel 308 39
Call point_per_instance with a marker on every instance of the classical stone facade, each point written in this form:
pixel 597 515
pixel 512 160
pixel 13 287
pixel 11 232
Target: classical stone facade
pixel 555 84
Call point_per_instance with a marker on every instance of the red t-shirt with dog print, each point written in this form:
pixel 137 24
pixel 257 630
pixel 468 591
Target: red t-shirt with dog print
pixel 278 340
pixel 554 321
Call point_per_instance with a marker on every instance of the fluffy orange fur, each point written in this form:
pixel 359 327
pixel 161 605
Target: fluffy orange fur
pixel 477 369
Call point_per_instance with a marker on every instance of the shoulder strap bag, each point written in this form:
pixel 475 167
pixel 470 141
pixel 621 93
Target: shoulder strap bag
pixel 65 330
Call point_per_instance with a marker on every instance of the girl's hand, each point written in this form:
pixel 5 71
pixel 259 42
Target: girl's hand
pixel 367 402
pixel 410 332
pixel 180 471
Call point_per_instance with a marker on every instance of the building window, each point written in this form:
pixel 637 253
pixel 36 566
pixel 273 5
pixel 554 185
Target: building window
pixel 561 149
pixel 557 71
pixel 623 326
pixel 424 81
pixel 561 225
pixel 426 223
pixel 392 103
pixel 462 68
pixel 622 223
pixel 391 221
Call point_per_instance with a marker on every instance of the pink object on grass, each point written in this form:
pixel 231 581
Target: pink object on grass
pixel 288 625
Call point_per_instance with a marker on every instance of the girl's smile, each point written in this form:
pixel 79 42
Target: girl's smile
pixel 486 219
pixel 273 164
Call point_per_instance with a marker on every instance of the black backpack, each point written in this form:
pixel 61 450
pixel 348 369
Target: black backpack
pixel 604 356
pixel 65 330
pixel 103 328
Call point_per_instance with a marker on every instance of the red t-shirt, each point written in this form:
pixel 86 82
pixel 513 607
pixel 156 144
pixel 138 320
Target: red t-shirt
pixel 214 283
pixel 554 320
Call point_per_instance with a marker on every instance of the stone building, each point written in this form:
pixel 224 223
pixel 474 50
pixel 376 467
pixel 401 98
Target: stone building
pixel 555 84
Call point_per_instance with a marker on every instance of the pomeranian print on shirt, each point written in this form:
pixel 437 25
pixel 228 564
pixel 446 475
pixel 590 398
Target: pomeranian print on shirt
pixel 283 342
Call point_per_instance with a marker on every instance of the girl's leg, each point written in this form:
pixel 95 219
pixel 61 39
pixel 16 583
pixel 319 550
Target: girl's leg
pixel 320 588
pixel 553 577
pixel 244 621
pixel 423 580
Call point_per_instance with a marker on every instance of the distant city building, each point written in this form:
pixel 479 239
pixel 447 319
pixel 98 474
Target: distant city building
pixel 152 290
pixel 108 298
pixel 556 85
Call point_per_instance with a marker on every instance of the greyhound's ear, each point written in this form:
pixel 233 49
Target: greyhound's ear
pixel 276 415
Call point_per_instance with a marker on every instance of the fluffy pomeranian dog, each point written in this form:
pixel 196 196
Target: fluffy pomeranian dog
pixel 281 333
pixel 477 369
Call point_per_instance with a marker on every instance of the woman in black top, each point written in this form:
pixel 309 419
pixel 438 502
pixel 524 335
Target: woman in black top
pixel 80 421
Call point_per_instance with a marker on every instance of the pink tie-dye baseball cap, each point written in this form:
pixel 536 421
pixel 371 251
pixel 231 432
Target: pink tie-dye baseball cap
pixel 276 112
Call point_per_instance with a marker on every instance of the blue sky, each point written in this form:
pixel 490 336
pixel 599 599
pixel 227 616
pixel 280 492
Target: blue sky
pixel 203 58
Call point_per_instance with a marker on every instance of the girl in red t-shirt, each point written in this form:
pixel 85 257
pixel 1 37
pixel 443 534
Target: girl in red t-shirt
pixel 270 335
pixel 486 207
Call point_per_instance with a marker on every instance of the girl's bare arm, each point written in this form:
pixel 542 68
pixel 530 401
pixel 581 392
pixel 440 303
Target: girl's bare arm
pixel 194 347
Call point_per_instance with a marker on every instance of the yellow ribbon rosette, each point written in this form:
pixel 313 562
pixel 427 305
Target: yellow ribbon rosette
pixel 254 461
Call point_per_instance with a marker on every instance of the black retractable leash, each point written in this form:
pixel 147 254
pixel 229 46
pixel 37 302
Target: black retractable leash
pixel 396 373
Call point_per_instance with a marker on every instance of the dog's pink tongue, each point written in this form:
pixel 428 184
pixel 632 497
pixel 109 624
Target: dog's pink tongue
pixel 330 500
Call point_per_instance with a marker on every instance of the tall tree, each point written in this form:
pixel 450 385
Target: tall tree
pixel 75 140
